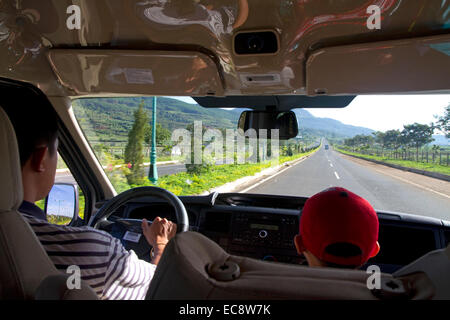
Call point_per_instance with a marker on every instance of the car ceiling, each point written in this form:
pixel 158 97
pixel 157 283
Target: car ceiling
pixel 187 48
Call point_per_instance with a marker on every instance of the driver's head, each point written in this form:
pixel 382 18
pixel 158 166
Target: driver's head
pixel 337 229
pixel 37 136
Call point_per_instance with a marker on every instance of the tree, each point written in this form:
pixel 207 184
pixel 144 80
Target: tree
pixel 350 142
pixel 392 139
pixel 418 135
pixel 134 155
pixel 363 141
pixel 207 162
pixel 380 138
pixel 368 141
pixel 435 148
pixel 289 151
pixel 162 134
pixel 443 122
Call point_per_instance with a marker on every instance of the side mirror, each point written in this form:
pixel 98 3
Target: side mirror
pixel 61 204
pixel 285 122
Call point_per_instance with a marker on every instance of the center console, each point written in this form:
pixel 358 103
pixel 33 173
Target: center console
pixel 262 236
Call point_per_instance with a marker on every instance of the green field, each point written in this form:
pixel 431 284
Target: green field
pixel 431 167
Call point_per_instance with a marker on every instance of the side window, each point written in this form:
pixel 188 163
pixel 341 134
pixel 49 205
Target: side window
pixel 65 202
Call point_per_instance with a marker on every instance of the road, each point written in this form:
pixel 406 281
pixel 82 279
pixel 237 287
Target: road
pixel 385 188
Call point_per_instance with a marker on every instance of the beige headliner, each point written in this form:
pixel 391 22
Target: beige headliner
pixel 325 46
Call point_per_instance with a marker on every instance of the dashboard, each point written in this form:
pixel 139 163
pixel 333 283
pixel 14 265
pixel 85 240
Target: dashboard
pixel 263 227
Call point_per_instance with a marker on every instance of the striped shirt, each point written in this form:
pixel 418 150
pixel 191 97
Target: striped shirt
pixel 112 272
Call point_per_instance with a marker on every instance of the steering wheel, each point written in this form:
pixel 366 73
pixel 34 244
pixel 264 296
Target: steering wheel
pixel 102 215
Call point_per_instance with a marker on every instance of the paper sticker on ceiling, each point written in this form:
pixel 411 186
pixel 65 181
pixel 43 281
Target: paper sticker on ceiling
pixel 138 76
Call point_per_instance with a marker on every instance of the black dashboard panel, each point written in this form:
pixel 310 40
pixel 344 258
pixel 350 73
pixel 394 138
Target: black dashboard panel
pixel 248 232
pixel 400 245
pixel 403 244
pixel 257 226
pixel 216 223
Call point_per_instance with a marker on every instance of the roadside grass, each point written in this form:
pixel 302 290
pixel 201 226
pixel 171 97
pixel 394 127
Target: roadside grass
pixel 40 204
pixel 431 167
pixel 184 183
pixel 168 158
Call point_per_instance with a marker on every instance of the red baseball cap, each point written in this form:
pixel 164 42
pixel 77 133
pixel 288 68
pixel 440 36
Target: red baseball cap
pixel 338 216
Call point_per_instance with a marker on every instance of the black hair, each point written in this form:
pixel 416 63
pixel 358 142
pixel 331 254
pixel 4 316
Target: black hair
pixel 34 121
pixel 342 249
pixel 339 266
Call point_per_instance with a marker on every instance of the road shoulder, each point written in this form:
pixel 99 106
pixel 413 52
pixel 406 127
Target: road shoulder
pixel 434 185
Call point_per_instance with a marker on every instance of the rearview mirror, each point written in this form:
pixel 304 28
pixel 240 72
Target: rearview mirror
pixel 61 204
pixel 284 122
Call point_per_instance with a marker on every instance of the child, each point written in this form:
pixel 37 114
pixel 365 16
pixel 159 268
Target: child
pixel 337 229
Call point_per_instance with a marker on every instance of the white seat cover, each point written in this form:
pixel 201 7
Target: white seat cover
pixel 182 274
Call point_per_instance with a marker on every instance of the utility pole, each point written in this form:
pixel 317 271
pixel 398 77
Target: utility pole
pixel 153 170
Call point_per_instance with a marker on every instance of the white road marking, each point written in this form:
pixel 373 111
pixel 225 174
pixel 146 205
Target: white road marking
pixel 337 177
pixel 331 165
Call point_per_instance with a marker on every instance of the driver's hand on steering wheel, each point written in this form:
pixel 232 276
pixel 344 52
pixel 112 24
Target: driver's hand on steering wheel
pixel 158 235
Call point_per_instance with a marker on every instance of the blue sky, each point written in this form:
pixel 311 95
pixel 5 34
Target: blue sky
pixel 383 112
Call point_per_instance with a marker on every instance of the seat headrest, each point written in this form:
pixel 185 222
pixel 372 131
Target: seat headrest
pixel 11 191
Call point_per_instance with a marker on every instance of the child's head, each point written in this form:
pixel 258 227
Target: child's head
pixel 338 229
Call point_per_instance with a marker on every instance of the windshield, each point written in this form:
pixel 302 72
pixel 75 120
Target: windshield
pixel 370 147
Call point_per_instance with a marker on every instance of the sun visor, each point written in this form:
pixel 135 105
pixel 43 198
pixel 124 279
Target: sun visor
pixel 136 72
pixel 416 65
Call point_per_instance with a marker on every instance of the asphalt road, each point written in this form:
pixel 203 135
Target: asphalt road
pixel 385 188
pixel 168 169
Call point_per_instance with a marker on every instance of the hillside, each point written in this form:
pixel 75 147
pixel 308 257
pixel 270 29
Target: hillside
pixel 110 119
pixel 327 126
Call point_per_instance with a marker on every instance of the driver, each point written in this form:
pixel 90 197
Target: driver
pixel 111 271
pixel 337 229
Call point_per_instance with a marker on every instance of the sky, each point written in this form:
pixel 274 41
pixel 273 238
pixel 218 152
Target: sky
pixel 383 112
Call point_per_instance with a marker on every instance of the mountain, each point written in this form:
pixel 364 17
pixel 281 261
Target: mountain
pixel 327 126
pixel 440 140
pixel 110 119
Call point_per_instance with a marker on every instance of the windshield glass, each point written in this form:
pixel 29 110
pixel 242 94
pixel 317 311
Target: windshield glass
pixel 364 147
